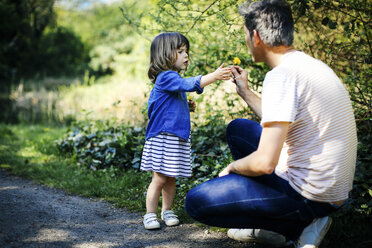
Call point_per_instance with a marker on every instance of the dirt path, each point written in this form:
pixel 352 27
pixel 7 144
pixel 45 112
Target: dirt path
pixel 33 215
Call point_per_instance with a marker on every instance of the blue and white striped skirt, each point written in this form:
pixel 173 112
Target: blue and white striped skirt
pixel 167 154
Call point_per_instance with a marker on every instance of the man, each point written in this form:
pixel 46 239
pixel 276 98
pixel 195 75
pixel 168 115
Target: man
pixel 296 168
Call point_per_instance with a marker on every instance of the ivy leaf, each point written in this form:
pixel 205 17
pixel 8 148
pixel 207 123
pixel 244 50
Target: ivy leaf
pixel 325 21
pixel 332 24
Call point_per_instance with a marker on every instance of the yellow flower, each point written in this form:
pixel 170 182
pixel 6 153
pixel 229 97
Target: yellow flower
pixel 189 98
pixel 46 129
pixel 237 61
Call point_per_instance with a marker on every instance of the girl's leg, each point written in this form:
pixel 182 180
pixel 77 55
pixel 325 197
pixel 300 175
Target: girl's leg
pixel 168 193
pixel 243 137
pixel 153 192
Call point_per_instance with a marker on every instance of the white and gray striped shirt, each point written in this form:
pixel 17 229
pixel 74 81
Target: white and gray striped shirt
pixel 319 155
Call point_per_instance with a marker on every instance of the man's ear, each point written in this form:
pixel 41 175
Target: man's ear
pixel 256 38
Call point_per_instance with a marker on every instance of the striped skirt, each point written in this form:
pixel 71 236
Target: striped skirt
pixel 167 154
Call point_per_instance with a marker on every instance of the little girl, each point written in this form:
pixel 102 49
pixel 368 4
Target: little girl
pixel 167 148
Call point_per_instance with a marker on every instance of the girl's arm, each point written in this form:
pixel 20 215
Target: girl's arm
pixel 221 73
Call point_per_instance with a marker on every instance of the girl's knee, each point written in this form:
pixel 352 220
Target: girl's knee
pixel 159 179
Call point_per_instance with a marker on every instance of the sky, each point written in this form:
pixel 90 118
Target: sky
pixel 82 4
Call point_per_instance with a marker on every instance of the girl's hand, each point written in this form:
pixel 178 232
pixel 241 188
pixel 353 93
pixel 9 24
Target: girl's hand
pixel 192 105
pixel 222 73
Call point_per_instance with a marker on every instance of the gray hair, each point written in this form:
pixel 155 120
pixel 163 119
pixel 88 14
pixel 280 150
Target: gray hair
pixel 271 18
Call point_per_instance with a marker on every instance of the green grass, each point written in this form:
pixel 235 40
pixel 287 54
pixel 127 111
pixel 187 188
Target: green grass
pixel 29 151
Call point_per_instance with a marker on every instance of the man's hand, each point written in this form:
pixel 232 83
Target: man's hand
pixel 240 78
pixel 225 171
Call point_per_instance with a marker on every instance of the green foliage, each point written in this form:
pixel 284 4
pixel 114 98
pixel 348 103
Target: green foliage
pixel 113 45
pixel 32 45
pixel 102 144
pixel 362 188
pixel 210 152
pixel 61 52
pixel 28 151
pixel 339 33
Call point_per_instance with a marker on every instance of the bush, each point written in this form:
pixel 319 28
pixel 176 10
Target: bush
pixel 102 144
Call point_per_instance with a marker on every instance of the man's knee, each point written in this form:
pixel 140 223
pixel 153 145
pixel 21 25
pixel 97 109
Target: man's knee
pixel 192 204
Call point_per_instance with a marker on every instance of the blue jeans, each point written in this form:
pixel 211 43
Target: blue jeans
pixel 266 202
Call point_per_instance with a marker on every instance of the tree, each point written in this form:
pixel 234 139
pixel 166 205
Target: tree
pixel 22 24
pixel 336 31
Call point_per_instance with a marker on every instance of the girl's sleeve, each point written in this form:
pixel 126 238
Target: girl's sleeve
pixel 172 81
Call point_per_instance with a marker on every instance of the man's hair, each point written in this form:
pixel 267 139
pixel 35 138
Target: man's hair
pixel 271 18
pixel 163 52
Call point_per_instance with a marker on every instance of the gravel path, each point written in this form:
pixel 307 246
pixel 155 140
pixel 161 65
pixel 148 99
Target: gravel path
pixel 33 215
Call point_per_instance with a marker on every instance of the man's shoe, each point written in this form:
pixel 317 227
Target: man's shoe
pixel 170 218
pixel 258 235
pixel 313 234
pixel 150 221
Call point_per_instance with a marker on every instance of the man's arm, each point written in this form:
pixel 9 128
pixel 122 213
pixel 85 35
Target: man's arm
pixel 265 158
pixel 240 78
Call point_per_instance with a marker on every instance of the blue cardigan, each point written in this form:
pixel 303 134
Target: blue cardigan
pixel 168 110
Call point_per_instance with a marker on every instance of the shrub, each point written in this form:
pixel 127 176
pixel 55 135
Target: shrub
pixel 102 144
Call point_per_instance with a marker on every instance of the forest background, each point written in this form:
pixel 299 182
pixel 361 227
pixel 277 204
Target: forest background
pixel 78 67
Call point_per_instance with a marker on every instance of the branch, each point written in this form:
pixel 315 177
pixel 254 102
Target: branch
pixel 197 19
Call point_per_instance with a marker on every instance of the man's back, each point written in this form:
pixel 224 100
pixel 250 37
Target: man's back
pixel 321 142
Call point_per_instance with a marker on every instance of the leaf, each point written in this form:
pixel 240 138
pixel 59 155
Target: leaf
pixel 325 21
pixel 332 24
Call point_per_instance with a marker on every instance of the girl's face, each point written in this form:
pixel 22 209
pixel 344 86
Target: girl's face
pixel 182 59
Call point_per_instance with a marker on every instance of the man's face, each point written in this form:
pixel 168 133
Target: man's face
pixel 255 51
pixel 248 41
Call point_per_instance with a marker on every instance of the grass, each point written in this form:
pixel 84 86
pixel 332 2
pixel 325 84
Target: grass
pixel 28 151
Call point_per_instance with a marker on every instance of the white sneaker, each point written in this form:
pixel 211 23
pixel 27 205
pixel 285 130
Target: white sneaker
pixel 150 221
pixel 313 234
pixel 170 218
pixel 257 235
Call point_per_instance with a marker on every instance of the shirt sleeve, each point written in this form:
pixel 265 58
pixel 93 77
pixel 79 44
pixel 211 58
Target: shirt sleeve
pixel 172 81
pixel 279 98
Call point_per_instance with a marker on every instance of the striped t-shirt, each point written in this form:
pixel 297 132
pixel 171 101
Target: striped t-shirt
pixel 319 155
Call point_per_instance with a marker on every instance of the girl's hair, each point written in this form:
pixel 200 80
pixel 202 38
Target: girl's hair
pixel 163 53
pixel 272 19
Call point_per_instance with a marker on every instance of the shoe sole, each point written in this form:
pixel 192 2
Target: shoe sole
pixel 324 232
pixel 172 223
pixel 152 228
pixel 247 239
pixel 258 240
